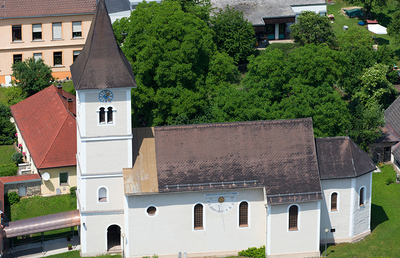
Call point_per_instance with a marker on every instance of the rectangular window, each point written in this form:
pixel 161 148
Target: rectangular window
pixel 57 58
pixel 57 35
pixel 36 31
pixel 75 54
pixel 16 33
pixel 37 56
pixel 17 58
pixel 64 178
pixel 77 29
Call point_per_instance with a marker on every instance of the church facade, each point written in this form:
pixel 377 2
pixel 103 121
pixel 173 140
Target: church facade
pixel 204 190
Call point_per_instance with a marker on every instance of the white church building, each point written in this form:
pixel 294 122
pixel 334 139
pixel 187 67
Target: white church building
pixel 205 190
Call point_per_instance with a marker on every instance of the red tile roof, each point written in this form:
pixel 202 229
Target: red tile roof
pixel 48 128
pixel 35 8
pixel 14 179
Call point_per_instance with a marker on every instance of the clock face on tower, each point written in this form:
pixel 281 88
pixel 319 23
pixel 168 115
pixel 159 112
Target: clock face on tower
pixel 221 203
pixel 105 96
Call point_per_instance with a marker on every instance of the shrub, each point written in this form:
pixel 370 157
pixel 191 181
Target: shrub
pixel 72 190
pixel 12 198
pixel 389 181
pixel 254 252
pixel 8 170
pixel 17 158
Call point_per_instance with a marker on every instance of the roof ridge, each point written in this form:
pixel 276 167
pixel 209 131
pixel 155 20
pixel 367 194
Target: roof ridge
pixel 352 157
pixel 53 140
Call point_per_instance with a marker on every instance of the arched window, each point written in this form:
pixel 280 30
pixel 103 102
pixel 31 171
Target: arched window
pixel 362 196
pixel 293 216
pixel 243 214
pixel 109 115
pixel 102 194
pixel 198 216
pixel 102 115
pixel 334 199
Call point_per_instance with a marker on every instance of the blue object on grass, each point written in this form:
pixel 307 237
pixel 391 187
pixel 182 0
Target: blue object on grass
pixel 361 23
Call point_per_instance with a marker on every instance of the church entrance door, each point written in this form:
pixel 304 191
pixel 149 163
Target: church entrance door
pixel 114 238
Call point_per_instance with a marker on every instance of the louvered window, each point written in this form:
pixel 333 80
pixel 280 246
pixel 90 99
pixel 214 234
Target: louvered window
pixel 293 216
pixel 243 214
pixel 198 216
pixel 362 190
pixel 102 115
pixel 334 202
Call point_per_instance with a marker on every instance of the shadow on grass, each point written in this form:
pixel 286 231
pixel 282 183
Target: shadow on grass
pixel 382 41
pixel 382 18
pixel 328 252
pixel 378 216
pixel 397 54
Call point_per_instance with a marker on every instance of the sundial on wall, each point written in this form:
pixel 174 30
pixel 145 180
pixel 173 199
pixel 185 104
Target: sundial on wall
pixel 221 202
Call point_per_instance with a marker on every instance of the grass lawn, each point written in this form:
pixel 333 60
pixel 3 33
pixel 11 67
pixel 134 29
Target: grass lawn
pixel 385 222
pixel 38 206
pixel 75 254
pixel 6 151
pixel 383 15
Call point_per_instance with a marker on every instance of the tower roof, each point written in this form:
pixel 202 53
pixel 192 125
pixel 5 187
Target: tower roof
pixel 101 64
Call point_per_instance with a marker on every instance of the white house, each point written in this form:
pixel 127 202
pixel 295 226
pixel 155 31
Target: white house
pixel 203 190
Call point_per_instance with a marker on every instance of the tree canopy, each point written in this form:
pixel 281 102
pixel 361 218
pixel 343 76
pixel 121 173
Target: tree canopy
pixel 312 28
pixel 32 75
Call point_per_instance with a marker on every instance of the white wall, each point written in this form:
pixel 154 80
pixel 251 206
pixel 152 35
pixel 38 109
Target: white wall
pixel 171 230
pixel 303 240
pixel 362 214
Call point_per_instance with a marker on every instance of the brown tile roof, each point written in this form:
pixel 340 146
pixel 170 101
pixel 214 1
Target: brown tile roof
pixel 278 155
pixel 16 179
pixel 37 8
pixel 340 157
pixel 48 128
pixel 101 64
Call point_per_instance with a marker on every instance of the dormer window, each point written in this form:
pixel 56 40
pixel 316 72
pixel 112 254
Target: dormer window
pixel 106 115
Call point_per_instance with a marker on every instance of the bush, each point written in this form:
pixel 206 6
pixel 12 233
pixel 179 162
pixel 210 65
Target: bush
pixel 17 158
pixel 254 252
pixel 8 170
pixel 12 198
pixel 389 181
pixel 72 190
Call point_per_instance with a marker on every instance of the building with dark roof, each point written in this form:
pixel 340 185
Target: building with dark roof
pixel 46 129
pixel 272 18
pixel 205 190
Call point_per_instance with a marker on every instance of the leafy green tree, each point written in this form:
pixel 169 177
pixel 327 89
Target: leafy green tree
pixel 376 88
pixel 7 129
pixel 311 28
pixel 32 75
pixel 119 27
pixel 14 95
pixel 199 8
pixel 233 34
pixel 394 27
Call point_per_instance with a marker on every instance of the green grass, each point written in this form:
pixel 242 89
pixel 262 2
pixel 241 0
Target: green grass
pixel 6 151
pixel 385 222
pixel 383 15
pixel 68 87
pixel 75 254
pixel 39 206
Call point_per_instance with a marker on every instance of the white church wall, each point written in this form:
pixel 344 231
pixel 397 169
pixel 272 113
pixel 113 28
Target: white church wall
pixel 113 184
pixel 89 106
pixel 94 231
pixel 362 213
pixel 303 242
pixel 338 220
pixel 171 230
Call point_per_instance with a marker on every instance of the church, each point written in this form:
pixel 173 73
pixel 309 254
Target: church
pixel 207 189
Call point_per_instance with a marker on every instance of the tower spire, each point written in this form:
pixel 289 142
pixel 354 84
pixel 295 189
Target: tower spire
pixel 101 63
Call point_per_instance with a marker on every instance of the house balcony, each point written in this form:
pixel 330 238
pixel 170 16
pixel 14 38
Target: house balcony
pixel 24 169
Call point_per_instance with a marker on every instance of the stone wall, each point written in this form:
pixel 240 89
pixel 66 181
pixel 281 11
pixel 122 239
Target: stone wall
pixel 32 188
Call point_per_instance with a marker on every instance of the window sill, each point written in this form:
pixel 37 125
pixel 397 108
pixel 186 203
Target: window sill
pixel 76 38
pixel 58 66
pixel 37 40
pixel 243 226
pixel 199 228
pixel 64 184
pixel 57 39
pixel 334 210
pixel 17 41
pixel 102 199
pixel 293 229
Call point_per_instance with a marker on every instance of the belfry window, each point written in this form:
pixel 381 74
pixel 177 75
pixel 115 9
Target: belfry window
pixel 106 115
pixel 198 216
pixel 243 214
pixel 293 216
pixel 334 202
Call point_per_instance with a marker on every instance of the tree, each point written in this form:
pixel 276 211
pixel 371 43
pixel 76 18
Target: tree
pixel 7 129
pixel 233 34
pixel 32 75
pixel 394 27
pixel 311 28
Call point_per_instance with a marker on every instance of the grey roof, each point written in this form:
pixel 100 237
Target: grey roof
pixel 255 10
pixel 396 151
pixel 101 64
pixel 392 115
pixel 114 6
pixel 278 155
pixel 340 157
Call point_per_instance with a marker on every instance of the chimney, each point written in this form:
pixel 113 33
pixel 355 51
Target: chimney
pixel 70 105
pixel 59 89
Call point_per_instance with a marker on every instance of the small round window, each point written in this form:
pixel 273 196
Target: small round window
pixel 151 211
